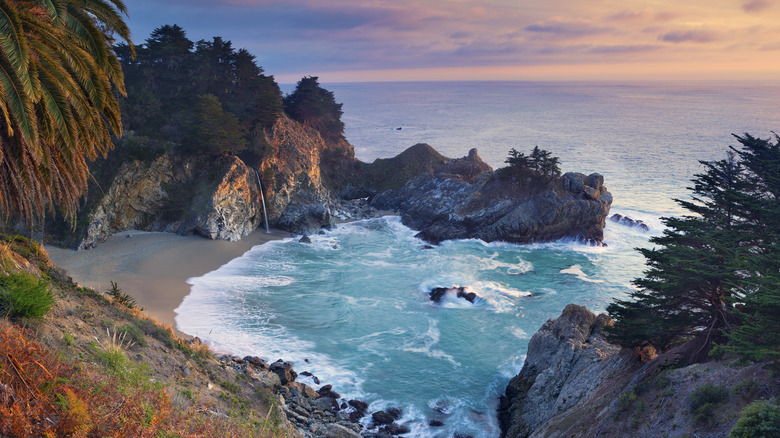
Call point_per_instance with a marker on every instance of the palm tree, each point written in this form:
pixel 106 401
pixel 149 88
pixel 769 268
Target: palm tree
pixel 58 74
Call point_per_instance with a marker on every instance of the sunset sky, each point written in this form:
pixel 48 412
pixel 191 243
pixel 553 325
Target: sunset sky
pixel 385 40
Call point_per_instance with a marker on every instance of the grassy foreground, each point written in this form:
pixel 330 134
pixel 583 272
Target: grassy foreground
pixel 94 366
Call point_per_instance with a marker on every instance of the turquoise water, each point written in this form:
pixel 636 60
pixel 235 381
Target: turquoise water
pixel 352 307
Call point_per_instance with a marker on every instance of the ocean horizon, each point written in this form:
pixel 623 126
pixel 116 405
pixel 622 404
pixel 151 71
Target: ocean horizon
pixel 352 308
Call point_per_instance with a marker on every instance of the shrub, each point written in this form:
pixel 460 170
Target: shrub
pixel 23 295
pixel 120 297
pixel 133 334
pixel 704 399
pixel 760 419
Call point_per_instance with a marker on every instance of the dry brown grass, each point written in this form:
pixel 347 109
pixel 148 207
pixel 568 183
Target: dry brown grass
pixel 41 395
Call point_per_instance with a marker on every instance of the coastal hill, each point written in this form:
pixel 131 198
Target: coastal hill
pixel 575 383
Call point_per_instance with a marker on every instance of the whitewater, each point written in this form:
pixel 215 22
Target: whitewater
pixel 352 307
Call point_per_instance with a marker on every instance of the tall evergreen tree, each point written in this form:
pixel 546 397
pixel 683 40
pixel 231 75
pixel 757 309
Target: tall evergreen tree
pixel 756 335
pixel 724 253
pixel 216 130
pixel 315 106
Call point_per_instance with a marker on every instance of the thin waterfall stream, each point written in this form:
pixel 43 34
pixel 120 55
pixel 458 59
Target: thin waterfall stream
pixel 262 199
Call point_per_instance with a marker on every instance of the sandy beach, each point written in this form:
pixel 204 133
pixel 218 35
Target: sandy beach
pixel 153 268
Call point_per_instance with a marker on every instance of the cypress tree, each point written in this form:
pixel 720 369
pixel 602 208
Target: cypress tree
pixel 716 272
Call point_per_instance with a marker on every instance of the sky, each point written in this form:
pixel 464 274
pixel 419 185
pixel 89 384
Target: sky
pixel 414 40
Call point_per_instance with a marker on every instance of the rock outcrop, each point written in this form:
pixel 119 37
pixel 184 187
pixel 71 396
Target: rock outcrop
pixel 567 360
pixel 217 199
pixel 575 383
pixel 499 206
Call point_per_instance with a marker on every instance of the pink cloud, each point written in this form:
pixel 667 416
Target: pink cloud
pixel 756 5
pixel 695 36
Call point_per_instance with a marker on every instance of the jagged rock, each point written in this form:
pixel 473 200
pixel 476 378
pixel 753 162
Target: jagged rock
pixel 305 239
pixel 381 418
pixel 396 429
pixel 284 371
pixel 396 413
pixel 334 430
pixel 468 296
pixel 305 218
pixel 499 207
pixel 149 196
pixel 627 221
pixel 360 407
pixel 327 391
pixel 435 423
pixel 256 361
pixel 467 168
pixel 568 358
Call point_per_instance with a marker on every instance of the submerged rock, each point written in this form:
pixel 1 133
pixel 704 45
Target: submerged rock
pixel 437 294
pixel 381 418
pixel 627 221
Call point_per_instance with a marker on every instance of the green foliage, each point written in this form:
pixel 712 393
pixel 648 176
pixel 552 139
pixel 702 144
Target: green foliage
pixel 170 73
pixel 315 106
pixel 67 338
pixel 58 86
pixel 133 334
pixel 120 297
pixel 540 163
pixel 704 399
pixel 22 295
pixel 217 132
pixel 760 419
pixel 715 271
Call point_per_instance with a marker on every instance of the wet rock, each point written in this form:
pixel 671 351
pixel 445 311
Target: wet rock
pixel 438 293
pixel 305 239
pixel 314 378
pixel 284 371
pixel 327 391
pixel 627 221
pixel 468 296
pixel 256 361
pixel 396 413
pixel 326 404
pixel 435 423
pixel 381 418
pixel 462 435
pixel 396 429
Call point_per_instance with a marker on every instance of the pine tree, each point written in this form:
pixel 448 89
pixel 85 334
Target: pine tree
pixel 756 335
pixel 217 132
pixel 315 106
pixel 716 275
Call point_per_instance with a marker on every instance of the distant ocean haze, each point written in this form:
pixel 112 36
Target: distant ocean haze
pixel 352 307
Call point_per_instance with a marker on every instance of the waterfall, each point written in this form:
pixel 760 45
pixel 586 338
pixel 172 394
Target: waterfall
pixel 262 199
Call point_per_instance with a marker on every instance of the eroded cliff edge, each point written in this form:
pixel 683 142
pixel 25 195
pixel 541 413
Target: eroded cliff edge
pixel 575 383
pixel 309 184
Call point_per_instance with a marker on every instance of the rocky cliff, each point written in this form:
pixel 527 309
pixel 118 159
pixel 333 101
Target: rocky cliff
pixel 217 199
pixel 575 383
pixel 501 206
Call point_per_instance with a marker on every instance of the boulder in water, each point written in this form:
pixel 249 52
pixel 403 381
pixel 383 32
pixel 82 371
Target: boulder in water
pixel 381 418
pixel 629 222
pixel 436 294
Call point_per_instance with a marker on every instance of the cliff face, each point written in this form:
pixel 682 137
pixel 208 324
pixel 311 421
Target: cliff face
pixel 575 383
pixel 567 360
pixel 217 199
pixel 499 207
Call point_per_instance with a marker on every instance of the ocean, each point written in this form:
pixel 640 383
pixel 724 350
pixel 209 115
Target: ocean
pixel 352 307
